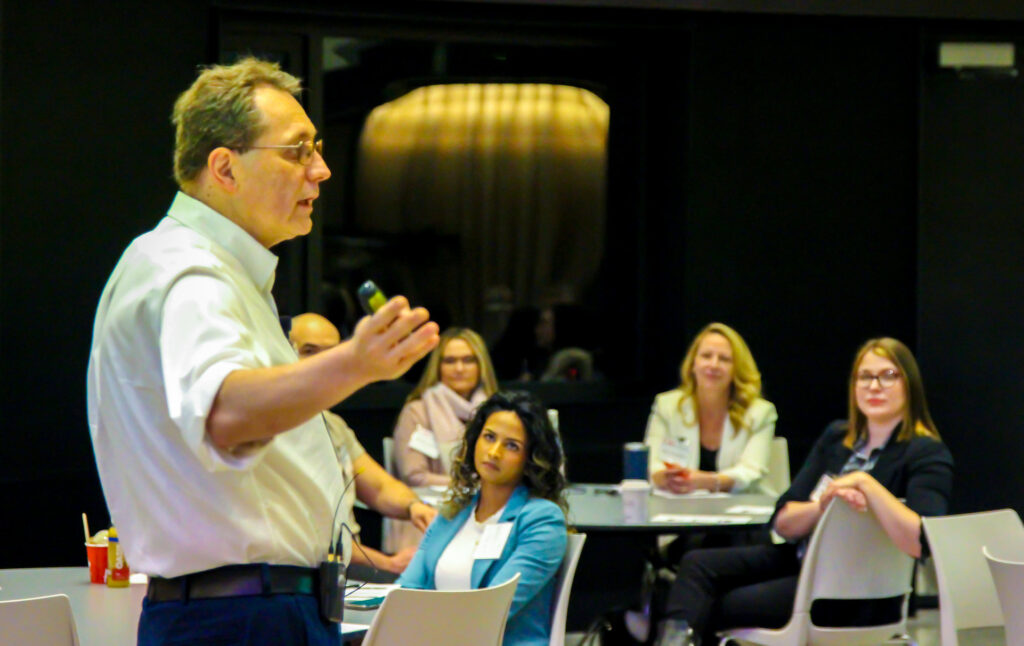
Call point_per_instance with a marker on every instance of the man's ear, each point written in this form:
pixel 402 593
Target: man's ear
pixel 221 164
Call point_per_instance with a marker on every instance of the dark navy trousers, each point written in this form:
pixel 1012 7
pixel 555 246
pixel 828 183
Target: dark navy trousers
pixel 272 620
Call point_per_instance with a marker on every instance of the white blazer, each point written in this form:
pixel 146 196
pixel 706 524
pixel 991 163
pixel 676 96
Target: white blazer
pixel 743 456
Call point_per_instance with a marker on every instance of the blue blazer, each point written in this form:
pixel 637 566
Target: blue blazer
pixel 535 548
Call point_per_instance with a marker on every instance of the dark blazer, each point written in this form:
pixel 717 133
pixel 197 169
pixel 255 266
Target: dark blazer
pixel 919 471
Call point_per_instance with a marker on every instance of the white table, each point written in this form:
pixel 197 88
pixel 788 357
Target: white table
pixel 597 508
pixel 104 616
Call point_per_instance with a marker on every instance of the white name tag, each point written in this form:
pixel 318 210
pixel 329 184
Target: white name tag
pixel 492 543
pixel 820 488
pixel 424 441
pixel 675 451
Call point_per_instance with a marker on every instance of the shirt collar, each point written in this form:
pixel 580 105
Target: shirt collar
pixel 858 446
pixel 257 260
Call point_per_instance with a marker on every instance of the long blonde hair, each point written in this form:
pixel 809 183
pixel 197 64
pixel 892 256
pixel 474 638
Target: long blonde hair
pixel 432 373
pixel 746 379
pixel 916 418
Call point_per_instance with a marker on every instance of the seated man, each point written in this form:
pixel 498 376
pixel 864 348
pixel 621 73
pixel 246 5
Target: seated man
pixel 311 333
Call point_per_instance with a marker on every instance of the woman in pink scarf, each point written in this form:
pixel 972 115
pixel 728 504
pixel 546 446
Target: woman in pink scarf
pixel 458 378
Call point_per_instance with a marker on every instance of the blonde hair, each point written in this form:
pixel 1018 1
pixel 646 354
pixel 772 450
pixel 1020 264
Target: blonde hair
pixel 218 110
pixel 432 372
pixel 916 418
pixel 746 380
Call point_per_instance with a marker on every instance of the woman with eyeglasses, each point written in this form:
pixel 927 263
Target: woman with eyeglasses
pixel 886 459
pixel 504 514
pixel 458 377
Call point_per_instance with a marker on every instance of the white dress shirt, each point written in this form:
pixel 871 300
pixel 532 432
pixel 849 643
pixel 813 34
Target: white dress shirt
pixel 188 303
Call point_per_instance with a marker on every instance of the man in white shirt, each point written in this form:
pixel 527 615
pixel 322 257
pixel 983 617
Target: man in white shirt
pixel 215 462
pixel 311 334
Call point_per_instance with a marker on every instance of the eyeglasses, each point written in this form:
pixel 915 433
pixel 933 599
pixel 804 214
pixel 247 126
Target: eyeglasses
pixel 451 361
pixel 303 150
pixel 886 378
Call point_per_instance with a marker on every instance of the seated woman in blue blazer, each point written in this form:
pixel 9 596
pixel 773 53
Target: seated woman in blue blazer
pixel 886 459
pixel 508 489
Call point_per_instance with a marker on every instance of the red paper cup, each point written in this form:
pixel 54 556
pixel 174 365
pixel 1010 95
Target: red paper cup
pixel 97 562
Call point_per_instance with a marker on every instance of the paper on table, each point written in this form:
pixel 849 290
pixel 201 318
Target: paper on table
pixel 371 591
pixel 701 519
pixel 699 493
pixel 351 628
pixel 750 509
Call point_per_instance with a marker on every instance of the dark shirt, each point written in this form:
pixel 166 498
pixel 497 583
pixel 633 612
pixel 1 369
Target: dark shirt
pixel 708 459
pixel 919 471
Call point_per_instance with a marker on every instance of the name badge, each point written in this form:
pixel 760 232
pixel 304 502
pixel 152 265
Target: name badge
pixel 820 488
pixel 492 543
pixel 424 441
pixel 675 451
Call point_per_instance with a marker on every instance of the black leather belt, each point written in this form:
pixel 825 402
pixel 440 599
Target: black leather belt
pixel 234 581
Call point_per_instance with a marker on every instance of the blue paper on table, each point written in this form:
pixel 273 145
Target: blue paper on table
pixel 365 604
pixel 369 596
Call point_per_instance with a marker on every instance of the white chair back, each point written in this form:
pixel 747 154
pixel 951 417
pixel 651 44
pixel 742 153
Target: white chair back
pixel 967 594
pixel 777 479
pixel 388 529
pixel 849 557
pixel 389 456
pixel 431 617
pixel 563 587
pixel 41 621
pixel 1008 574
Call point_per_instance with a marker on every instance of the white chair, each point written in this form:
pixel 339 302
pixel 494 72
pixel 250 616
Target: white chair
pixel 432 617
pixel 1008 575
pixel 849 557
pixel 967 595
pixel 563 587
pixel 387 525
pixel 389 456
pixel 777 478
pixel 40 621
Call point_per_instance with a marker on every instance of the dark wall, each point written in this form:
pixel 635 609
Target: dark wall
pixel 971 267
pixel 808 180
pixel 801 219
pixel 86 100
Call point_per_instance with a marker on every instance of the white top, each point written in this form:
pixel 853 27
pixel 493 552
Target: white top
pixel 455 567
pixel 188 303
pixel 742 456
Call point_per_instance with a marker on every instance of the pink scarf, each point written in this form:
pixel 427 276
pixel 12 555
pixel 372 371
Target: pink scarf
pixel 448 412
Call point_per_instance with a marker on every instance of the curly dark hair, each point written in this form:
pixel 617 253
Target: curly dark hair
pixel 542 473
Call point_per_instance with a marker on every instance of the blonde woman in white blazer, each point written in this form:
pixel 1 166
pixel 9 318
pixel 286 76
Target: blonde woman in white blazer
pixel 717 408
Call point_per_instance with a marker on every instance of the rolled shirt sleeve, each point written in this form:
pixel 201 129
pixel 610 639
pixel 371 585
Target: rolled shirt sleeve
pixel 196 359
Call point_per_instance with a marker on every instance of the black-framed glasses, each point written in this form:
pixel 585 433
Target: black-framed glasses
pixel 303 150
pixel 886 378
